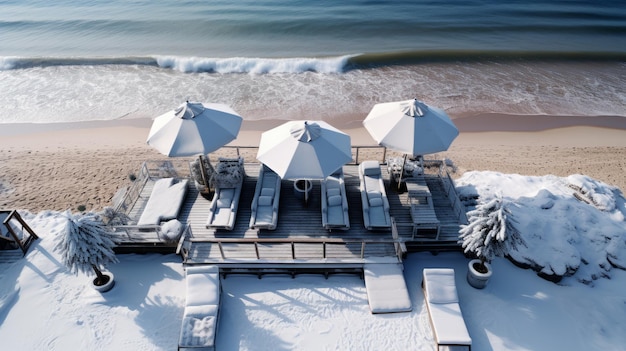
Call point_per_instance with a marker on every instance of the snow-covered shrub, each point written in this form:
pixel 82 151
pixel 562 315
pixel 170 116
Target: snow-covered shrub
pixel 85 244
pixel 490 231
pixel 111 217
pixel 196 171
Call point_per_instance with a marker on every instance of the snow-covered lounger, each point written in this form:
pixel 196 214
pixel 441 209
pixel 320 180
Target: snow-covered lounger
pixel 446 318
pixel 386 288
pixel 165 201
pixel 200 318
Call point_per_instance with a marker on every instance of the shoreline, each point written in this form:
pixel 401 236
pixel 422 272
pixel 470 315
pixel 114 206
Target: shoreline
pixel 62 166
pixel 485 122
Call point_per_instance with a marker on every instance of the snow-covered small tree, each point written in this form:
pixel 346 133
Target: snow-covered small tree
pixel 85 244
pixel 490 231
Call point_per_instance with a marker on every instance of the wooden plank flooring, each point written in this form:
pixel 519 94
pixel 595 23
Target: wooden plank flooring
pixel 299 220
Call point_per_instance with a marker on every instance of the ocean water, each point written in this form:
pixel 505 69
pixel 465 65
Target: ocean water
pixel 72 60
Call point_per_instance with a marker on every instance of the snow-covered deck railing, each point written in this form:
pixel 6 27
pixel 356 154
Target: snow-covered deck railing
pixel 451 193
pixel 287 249
pixel 147 233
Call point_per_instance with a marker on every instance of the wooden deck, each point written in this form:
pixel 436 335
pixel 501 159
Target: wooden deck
pixel 299 238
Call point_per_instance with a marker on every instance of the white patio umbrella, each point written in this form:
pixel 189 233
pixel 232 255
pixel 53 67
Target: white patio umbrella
pixel 194 129
pixel 411 127
pixel 304 150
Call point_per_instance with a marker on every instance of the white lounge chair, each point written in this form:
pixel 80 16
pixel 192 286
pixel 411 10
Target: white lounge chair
pixel 165 201
pixel 266 200
pixel 201 314
pixel 335 202
pixel 374 197
pixel 446 318
pixel 224 205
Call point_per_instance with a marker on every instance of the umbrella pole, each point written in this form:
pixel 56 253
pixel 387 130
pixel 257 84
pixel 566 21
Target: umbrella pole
pixel 401 172
pixel 205 177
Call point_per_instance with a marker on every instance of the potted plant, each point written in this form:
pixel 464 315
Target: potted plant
pixel 85 244
pixel 489 233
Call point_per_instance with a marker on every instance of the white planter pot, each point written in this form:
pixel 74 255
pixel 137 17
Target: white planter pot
pixel 106 287
pixel 475 278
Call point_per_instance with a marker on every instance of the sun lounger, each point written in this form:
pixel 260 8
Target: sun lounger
pixel 373 197
pixel 266 200
pixel 446 318
pixel 386 288
pixel 223 211
pixel 200 317
pixel 335 202
pixel 165 201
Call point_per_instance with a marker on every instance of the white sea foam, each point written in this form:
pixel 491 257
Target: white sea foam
pixel 253 65
pixel 303 88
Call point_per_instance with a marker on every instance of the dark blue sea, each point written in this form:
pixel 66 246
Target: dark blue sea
pixel 101 60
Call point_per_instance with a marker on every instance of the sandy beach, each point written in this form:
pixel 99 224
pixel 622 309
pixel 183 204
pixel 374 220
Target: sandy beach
pixel 63 166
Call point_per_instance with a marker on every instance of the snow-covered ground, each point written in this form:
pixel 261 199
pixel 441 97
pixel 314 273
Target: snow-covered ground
pixel 45 307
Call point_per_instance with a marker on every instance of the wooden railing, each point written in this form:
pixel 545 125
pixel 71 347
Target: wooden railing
pixel 323 243
pixel 187 240
pixel 249 153
pixel 143 233
pixel 452 194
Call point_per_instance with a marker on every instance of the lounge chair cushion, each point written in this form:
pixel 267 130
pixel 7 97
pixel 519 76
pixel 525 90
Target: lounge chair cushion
pixel 267 192
pixel 224 203
pixel 445 312
pixel 265 200
pixel 333 192
pixel 440 288
pixel 335 200
pixel 386 288
pixel 198 294
pixel 371 171
pixel 164 203
pixel 376 201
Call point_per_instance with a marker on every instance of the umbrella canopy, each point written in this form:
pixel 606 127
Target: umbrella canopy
pixel 411 127
pixel 304 150
pixel 194 128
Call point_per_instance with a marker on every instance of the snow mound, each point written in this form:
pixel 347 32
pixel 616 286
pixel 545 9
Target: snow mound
pixel 571 227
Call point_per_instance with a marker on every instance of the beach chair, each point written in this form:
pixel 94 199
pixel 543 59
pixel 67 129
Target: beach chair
pixel 442 302
pixel 373 197
pixel 201 313
pixel 266 200
pixel 15 232
pixel 223 211
pixel 335 202
pixel 165 201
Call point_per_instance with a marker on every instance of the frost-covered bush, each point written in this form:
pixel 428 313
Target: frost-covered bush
pixel 490 231
pixel 112 217
pixel 85 244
